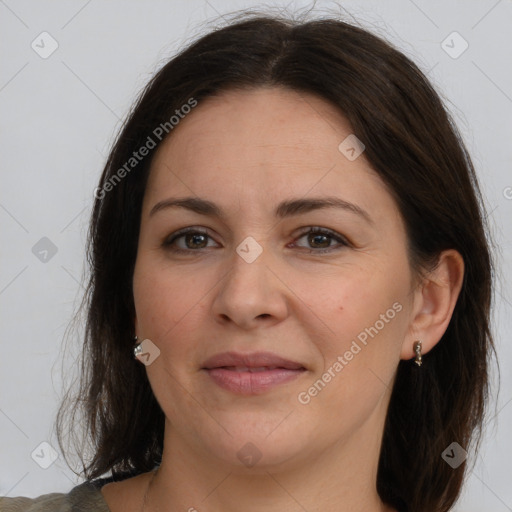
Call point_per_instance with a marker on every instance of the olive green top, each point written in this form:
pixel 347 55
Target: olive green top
pixel 85 497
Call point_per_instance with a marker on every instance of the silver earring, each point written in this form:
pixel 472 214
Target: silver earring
pixel 138 348
pixel 417 350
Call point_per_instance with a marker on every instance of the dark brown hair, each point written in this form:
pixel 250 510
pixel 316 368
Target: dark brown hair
pixel 414 146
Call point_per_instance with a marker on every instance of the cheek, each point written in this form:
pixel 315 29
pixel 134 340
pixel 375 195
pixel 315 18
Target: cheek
pixel 368 317
pixel 360 358
pixel 357 300
pixel 168 307
pixel 166 298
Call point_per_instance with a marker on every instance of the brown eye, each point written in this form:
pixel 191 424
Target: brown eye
pixel 190 239
pixel 195 240
pixel 320 240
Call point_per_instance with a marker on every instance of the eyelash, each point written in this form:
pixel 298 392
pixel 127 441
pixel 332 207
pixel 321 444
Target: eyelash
pixel 168 242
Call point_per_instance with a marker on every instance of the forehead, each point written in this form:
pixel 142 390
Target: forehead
pixel 271 122
pixel 259 145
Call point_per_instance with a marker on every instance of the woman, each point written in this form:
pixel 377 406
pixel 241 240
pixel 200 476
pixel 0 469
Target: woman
pixel 290 285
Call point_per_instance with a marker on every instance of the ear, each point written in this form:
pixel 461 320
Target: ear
pixel 433 303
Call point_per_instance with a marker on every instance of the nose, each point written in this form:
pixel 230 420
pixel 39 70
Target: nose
pixel 251 294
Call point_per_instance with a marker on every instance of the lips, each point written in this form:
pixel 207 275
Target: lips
pixel 250 368
pixel 250 362
pixel 251 374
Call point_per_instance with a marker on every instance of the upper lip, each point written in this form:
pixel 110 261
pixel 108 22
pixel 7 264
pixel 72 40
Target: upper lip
pixel 251 360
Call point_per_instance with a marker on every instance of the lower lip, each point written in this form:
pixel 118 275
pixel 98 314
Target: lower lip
pixel 251 383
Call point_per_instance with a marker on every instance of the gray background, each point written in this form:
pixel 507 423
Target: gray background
pixel 59 115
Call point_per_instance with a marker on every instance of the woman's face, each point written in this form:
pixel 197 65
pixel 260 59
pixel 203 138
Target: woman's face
pixel 250 277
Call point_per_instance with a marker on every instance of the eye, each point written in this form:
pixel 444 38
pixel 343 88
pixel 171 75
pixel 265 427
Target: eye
pixel 193 239
pixel 320 239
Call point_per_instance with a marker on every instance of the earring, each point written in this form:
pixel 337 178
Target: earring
pixel 138 348
pixel 417 350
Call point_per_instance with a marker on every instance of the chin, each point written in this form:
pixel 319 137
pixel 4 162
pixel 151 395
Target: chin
pixel 259 450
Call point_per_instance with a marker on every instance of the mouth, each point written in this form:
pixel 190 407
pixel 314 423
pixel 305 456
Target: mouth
pixel 252 369
pixel 251 374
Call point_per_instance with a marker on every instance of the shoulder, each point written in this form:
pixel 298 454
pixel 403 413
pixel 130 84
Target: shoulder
pixel 85 497
pixel 46 502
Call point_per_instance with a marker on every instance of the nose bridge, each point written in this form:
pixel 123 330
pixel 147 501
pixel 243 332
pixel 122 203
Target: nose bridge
pixel 250 290
pixel 248 276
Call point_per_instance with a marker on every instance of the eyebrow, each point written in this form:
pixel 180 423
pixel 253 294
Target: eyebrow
pixel 287 208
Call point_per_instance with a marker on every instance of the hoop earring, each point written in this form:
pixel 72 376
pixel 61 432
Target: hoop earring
pixel 417 350
pixel 137 349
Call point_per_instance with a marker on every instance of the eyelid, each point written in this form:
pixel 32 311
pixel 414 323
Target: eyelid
pixel 168 240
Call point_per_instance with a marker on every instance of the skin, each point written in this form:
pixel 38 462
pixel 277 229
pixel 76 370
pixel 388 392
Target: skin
pixel 247 151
